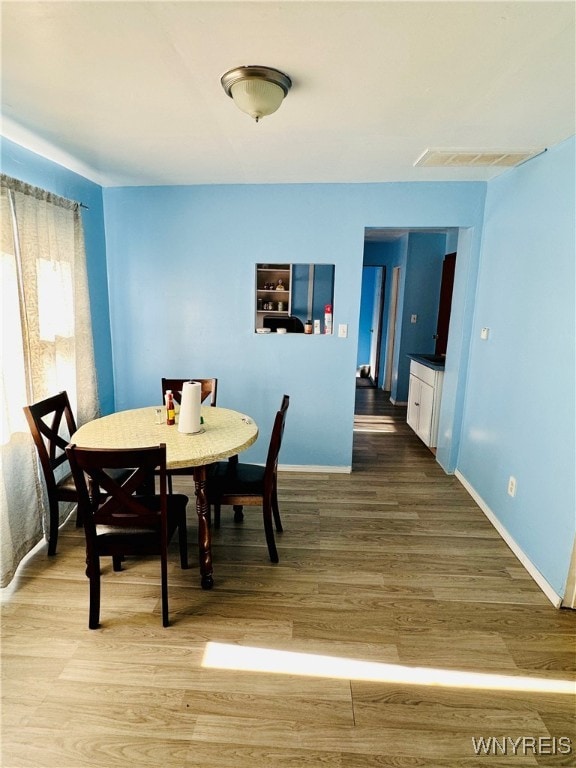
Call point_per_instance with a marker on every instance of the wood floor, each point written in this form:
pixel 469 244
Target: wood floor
pixel 392 568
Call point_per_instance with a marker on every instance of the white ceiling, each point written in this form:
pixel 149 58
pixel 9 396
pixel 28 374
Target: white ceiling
pixel 129 92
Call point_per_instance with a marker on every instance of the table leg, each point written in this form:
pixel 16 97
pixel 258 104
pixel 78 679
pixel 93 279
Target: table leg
pixel 204 537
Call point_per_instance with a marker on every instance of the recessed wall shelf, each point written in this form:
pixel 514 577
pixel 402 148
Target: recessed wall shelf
pixel 273 291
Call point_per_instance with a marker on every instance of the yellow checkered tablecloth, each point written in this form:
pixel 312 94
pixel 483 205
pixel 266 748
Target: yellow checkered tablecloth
pixel 224 434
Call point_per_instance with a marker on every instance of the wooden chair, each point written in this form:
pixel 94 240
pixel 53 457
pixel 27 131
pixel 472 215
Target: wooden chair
pixel 209 388
pixel 128 520
pixel 52 424
pixel 238 484
pixel 51 438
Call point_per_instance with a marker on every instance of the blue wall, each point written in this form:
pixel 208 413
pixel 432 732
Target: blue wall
pixel 33 169
pixel 181 274
pixel 519 414
pixel 322 291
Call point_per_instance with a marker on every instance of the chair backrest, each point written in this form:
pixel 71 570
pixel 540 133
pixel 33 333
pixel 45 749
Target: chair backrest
pixel 276 442
pixel 47 420
pixel 122 501
pixel 209 389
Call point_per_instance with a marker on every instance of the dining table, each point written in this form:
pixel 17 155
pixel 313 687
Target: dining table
pixel 223 433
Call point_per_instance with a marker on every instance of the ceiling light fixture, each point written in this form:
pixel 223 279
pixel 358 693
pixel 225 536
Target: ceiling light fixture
pixel 256 90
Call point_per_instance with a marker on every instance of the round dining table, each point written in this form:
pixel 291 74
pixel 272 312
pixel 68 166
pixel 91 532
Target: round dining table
pixel 223 433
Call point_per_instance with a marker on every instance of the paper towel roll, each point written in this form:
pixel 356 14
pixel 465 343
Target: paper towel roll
pixel 189 420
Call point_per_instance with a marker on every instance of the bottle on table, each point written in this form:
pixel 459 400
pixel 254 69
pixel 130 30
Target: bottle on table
pixel 170 409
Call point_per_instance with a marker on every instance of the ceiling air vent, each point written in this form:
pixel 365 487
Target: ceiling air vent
pixel 481 158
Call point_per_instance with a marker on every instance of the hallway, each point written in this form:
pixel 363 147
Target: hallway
pixel 373 412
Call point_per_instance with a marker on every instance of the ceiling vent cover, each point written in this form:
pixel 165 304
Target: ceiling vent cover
pixel 481 158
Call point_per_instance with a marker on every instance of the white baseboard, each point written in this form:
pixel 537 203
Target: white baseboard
pixel 398 402
pixel 313 468
pixel 550 593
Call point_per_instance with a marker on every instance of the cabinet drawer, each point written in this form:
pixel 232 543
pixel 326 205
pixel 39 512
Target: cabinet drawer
pixel 423 372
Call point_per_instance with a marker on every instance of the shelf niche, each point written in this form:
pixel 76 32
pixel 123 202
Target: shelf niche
pixel 287 295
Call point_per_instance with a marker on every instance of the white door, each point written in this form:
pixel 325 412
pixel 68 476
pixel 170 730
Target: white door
pixel 376 327
pixel 391 335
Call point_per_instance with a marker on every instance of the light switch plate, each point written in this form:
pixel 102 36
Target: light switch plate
pixel 343 330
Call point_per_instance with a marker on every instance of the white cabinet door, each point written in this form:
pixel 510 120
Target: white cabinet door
pixel 426 411
pixel 424 395
pixel 413 402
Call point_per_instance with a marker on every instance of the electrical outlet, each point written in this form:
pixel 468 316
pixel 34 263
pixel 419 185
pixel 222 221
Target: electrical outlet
pixel 414 319
pixel 511 486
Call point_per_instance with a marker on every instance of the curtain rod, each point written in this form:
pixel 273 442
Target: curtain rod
pixel 22 186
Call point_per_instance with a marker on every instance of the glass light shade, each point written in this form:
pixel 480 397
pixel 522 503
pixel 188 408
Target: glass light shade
pixel 257 97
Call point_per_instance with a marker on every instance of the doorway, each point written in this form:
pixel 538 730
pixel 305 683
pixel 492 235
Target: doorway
pixel 445 303
pixel 370 326
pixel 390 247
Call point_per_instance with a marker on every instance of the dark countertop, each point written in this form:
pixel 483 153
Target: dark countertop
pixel 436 362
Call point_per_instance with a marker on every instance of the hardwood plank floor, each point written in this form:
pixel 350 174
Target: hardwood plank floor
pixel 392 571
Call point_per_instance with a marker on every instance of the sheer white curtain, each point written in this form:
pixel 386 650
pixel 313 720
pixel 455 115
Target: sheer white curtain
pixel 46 348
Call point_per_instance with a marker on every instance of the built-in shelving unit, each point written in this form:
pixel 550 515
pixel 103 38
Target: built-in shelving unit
pixel 273 291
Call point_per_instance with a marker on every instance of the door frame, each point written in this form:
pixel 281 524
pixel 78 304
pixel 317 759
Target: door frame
pixel 391 336
pixel 376 329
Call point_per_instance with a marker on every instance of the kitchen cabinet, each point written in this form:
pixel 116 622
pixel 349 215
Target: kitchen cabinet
pixel 273 291
pixel 424 397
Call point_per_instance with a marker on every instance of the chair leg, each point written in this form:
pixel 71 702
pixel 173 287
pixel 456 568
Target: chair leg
pixel 79 517
pixel 93 573
pixel 276 511
pixel 53 521
pixel 117 562
pixel 269 530
pixel 238 513
pixel 164 579
pixel 169 476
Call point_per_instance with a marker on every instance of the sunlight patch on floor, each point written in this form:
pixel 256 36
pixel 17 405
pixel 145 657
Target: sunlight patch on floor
pixel 250 659
pixel 374 424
